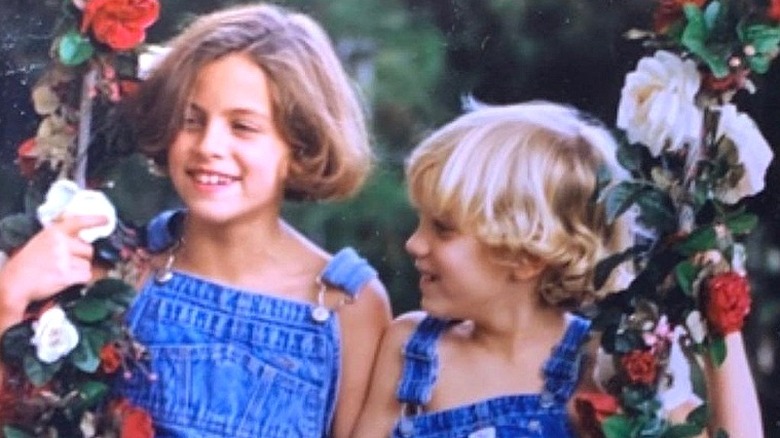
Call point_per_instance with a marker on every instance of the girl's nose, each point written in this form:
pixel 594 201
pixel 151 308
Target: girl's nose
pixel 212 141
pixel 415 244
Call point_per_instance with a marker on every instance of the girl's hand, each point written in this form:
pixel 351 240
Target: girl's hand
pixel 51 261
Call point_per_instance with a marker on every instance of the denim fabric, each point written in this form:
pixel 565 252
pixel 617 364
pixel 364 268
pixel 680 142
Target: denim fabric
pixel 230 363
pixel 512 416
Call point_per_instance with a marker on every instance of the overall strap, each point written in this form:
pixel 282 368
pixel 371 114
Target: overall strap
pixel 421 362
pixel 562 370
pixel 348 271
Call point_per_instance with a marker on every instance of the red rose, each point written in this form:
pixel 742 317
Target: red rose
pixel 727 302
pixel 640 366
pixel 120 23
pixel 135 422
pixel 592 409
pixel 27 157
pixel 110 358
pixel 670 11
pixel 774 10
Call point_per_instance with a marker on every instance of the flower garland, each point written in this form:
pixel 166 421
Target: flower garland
pixel 58 364
pixel 693 156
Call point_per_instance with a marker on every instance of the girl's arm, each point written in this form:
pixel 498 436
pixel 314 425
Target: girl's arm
pixel 362 325
pixel 732 393
pixel 50 261
pixel 382 409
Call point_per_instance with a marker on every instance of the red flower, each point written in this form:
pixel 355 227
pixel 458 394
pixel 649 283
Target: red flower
pixel 733 81
pixel 727 302
pixel 120 23
pixel 136 423
pixel 592 409
pixel 670 11
pixel 27 157
pixel 774 10
pixel 640 366
pixel 110 358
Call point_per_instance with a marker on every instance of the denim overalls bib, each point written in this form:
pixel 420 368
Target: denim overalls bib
pixel 230 363
pixel 512 416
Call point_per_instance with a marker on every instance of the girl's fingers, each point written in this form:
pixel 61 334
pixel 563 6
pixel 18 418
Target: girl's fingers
pixel 72 224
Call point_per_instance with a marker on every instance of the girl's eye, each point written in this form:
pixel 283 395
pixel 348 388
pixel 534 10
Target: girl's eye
pixel 192 121
pixel 245 127
pixel 443 228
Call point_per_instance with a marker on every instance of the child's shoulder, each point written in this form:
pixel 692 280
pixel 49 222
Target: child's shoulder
pixel 403 326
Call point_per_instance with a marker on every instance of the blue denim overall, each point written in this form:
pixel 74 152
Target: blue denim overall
pixel 512 416
pixel 231 363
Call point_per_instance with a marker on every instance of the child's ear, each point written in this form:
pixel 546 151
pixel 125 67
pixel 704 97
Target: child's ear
pixel 527 268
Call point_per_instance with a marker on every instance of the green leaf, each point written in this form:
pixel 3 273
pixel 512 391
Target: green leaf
pixel 86 355
pixel 16 343
pixel 657 210
pixel 91 393
pixel 717 350
pixel 16 230
pixel 12 432
pixel 117 291
pixel 90 309
pixel 742 223
pixel 39 372
pixel 699 416
pixel 695 37
pixel 700 239
pixel 632 156
pixel 685 273
pixel 721 434
pixel 617 199
pixel 683 430
pixel 617 426
pixel 74 48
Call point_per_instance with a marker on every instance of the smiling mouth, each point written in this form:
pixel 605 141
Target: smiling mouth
pixel 211 178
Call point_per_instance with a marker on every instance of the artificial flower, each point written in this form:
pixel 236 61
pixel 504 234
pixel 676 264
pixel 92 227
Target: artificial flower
pixel 774 10
pixel 727 302
pixel 753 150
pixel 592 409
pixel 657 105
pixel 151 56
pixel 110 358
pixel 135 422
pixel 65 197
pixel 54 335
pixel 121 24
pixel 669 11
pixel 696 326
pixel 641 366
pixel 27 157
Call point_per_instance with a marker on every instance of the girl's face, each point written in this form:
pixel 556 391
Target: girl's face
pixel 458 277
pixel 228 161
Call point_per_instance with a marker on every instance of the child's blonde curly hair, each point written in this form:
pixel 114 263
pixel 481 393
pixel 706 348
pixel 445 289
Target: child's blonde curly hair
pixel 523 179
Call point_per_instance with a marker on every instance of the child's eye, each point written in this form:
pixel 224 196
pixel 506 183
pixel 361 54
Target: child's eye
pixel 443 228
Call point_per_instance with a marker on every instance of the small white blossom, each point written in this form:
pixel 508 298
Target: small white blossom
pixel 753 150
pixel 657 105
pixel 150 58
pixel 54 335
pixel 65 197
pixel 696 326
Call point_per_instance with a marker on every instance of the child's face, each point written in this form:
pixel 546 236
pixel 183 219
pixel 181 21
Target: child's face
pixel 458 277
pixel 228 160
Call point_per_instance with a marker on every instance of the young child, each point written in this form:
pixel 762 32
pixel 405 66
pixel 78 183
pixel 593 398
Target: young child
pixel 508 239
pixel 252 329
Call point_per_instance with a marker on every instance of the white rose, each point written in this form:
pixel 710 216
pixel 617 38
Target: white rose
pixel 150 58
pixel 65 197
pixel 657 105
pixel 54 335
pixel 753 151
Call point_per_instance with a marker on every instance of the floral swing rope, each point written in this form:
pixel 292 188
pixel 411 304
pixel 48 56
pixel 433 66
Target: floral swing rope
pixel 693 156
pixel 58 364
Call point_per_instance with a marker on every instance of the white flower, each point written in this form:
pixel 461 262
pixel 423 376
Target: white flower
pixel 657 105
pixel 696 326
pixel 65 197
pixel 753 150
pixel 54 335
pixel 150 58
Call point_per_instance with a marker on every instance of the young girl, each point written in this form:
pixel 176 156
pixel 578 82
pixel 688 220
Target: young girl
pixel 252 329
pixel 508 239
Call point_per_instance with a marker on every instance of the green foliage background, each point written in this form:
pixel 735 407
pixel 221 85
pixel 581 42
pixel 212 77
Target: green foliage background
pixel 414 61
